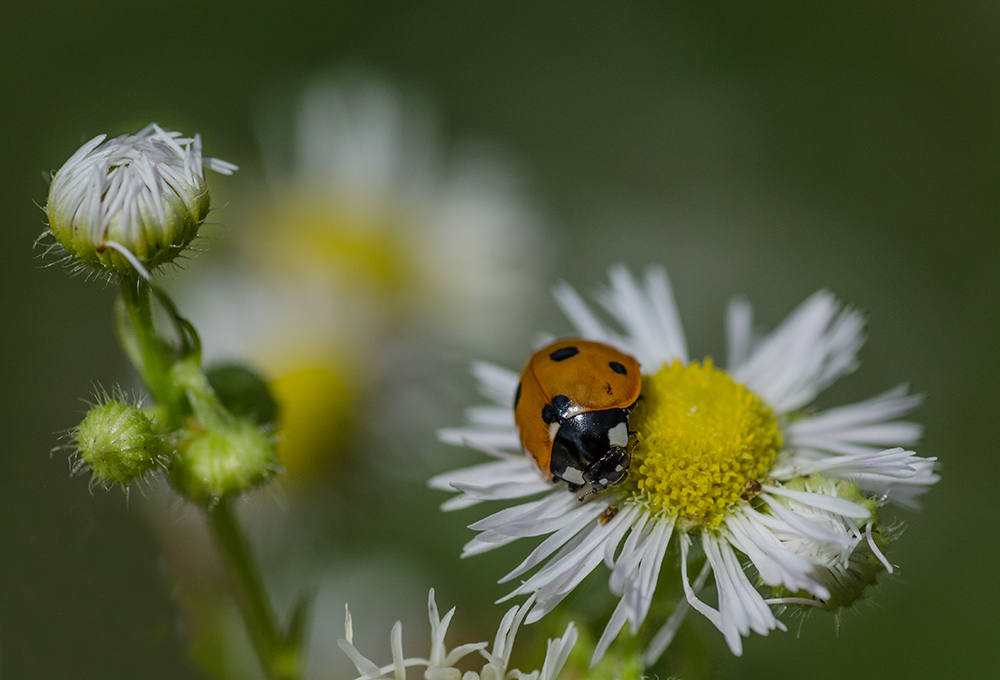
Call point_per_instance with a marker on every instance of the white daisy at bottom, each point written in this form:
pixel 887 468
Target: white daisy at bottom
pixel 440 663
pixel 777 504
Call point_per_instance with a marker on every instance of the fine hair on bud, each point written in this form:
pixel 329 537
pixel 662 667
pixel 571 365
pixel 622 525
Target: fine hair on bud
pixel 117 443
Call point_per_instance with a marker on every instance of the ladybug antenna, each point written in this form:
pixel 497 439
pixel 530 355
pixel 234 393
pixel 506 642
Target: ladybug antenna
pixel 589 493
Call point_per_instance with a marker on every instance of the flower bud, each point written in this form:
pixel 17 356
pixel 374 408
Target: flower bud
pixel 215 463
pixel 845 577
pixel 133 202
pixel 847 582
pixel 117 442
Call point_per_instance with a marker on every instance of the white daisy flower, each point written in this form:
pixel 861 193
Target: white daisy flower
pixel 728 467
pixel 133 202
pixel 440 663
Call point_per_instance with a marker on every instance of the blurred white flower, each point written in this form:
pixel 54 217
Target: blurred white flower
pixel 440 663
pixel 727 459
pixel 443 239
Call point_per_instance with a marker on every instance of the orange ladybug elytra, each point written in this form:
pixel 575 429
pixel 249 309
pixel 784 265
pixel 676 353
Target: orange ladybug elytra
pixel 571 409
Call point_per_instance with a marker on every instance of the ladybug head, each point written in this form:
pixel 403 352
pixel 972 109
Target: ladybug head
pixel 609 470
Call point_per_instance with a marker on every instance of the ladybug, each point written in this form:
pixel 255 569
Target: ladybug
pixel 571 410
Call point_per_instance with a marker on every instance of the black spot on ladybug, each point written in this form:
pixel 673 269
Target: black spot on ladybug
pixel 617 368
pixel 564 353
pixel 517 395
pixel 561 403
pixel 608 388
pixel 549 414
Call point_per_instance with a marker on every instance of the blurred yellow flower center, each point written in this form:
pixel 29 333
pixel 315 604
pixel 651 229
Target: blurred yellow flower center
pixel 361 249
pixel 315 415
pixel 702 438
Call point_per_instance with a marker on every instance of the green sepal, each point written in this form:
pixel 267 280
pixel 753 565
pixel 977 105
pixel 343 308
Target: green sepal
pixel 244 393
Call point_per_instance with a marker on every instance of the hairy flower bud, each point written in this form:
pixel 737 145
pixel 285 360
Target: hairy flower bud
pixel 224 461
pixel 847 582
pixel 845 576
pixel 133 202
pixel 117 443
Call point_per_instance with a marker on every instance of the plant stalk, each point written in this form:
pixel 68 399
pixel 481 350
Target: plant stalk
pixel 279 657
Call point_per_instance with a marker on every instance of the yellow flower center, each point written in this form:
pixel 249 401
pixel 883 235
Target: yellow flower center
pixel 702 437
pixel 360 249
pixel 314 418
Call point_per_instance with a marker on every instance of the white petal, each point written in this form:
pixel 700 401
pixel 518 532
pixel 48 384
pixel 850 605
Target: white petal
pixel 634 547
pixel 902 492
pixel 640 591
pixel 875 550
pixel 665 635
pixel 557 653
pixel 364 665
pixel 739 332
pixel 806 527
pixel 501 479
pixel 555 504
pixel 708 612
pixel 649 317
pixel 615 625
pixel 460 652
pixel 577 522
pixel 480 438
pixel 881 408
pixel 563 573
pixel 741 608
pixel 664 308
pixel 498 472
pixel 808 351
pixel 396 642
pixel 491 416
pixel 822 501
pixel 579 314
pixel 777 564
pixel 891 463
pixel 505 633
pixel 496 382
pixel 881 437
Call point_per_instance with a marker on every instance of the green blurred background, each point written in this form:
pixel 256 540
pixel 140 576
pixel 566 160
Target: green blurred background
pixel 770 150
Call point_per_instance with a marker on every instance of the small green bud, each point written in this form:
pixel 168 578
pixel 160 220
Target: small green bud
pixel 117 442
pixel 133 202
pixel 216 463
pixel 244 393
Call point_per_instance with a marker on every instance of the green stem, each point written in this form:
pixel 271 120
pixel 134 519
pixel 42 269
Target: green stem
pixel 152 356
pixel 173 375
pixel 280 657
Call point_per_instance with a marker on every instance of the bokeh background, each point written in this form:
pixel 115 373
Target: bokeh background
pixel 769 149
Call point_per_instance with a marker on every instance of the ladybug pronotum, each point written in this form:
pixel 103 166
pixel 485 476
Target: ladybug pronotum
pixel 571 409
